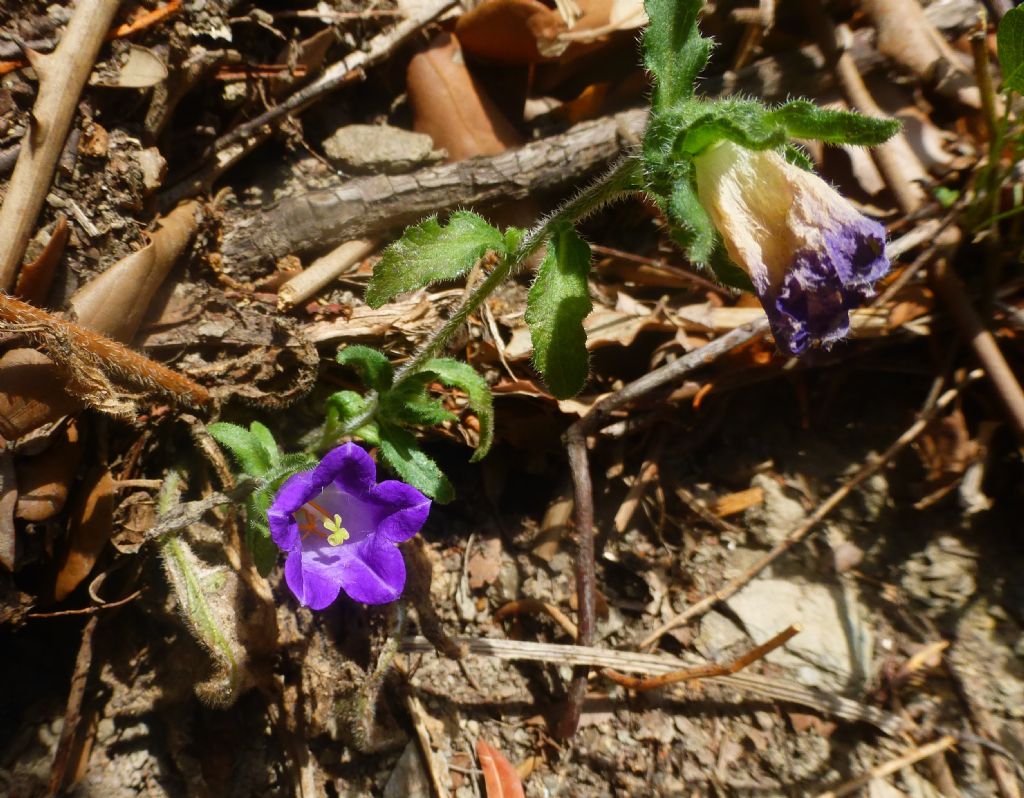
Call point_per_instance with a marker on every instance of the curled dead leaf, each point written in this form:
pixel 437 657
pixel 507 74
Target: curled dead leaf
pixel 43 480
pixel 452 108
pixel 92 522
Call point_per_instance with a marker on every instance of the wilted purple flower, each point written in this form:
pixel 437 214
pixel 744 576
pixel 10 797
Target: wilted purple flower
pixel 810 255
pixel 340 528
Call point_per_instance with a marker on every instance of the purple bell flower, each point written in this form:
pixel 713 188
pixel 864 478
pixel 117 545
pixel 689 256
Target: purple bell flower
pixel 811 256
pixel 340 528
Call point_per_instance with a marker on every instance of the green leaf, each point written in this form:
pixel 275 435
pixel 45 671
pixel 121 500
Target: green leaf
pixel 456 374
pixel 1010 46
pixel 674 50
pixel 555 308
pixel 246 447
pixel 803 119
pixel 409 402
pixel 401 452
pixel 266 439
pixel 373 367
pixel 428 252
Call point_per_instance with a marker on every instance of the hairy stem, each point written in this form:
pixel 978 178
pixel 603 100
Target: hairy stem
pixel 621 179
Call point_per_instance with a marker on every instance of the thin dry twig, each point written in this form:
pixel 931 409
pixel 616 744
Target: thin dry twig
pixel 833 501
pixel 62 75
pixel 73 712
pixel 537 606
pixel 588 656
pixel 888 768
pixel 705 671
pixel 579 464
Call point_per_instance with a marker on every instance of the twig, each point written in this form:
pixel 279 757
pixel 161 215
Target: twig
pixel 538 606
pixel 704 671
pixel 587 656
pixel 73 712
pixel 373 205
pixel 833 501
pixel 323 271
pixel 892 766
pixel 62 75
pixel 576 444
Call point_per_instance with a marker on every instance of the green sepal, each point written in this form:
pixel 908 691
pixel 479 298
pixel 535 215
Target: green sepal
pixel 427 253
pixel 727 272
pixel 803 119
pixel 556 305
pixel 674 51
pixel 743 122
pixel 692 227
pixel 373 367
pixel 456 374
pixel 403 455
pixel 1010 47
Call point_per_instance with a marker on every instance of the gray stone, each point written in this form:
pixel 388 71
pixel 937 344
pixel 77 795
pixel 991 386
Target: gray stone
pixel 379 149
pixel 828 653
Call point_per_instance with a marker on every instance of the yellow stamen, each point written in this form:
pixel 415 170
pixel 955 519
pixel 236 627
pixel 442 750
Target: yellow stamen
pixel 338 533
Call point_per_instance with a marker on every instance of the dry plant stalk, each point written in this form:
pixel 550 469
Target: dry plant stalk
pixel 62 75
pixel 93 361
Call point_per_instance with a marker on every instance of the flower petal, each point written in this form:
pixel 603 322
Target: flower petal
pixel 403 509
pixel 350 467
pixel 373 571
pixel 295 492
pixel 314 586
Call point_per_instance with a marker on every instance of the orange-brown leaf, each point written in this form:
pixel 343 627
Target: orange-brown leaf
pixel 92 522
pixel 500 778
pixel 452 108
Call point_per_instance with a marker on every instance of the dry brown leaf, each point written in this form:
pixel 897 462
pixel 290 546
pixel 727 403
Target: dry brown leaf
pixel 503 31
pixel 35 278
pixel 43 480
pixel 92 522
pixel 115 302
pixel 452 108
pixel 500 779
pixel 485 563
pixel 31 392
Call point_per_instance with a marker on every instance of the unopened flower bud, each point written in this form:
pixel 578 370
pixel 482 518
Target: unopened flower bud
pixel 811 256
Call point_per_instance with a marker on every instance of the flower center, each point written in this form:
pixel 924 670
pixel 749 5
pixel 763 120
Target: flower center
pixel 338 533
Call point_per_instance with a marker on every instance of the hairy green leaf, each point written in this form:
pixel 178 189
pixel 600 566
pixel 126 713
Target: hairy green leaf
pixel 400 451
pixel 456 374
pixel 266 439
pixel 428 252
pixel 373 367
pixel 803 119
pixel 1010 46
pixel 555 308
pixel 341 408
pixel 410 402
pixel 674 50
pixel 247 447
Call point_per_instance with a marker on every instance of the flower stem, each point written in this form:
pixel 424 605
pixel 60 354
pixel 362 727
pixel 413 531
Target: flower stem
pixel 621 179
